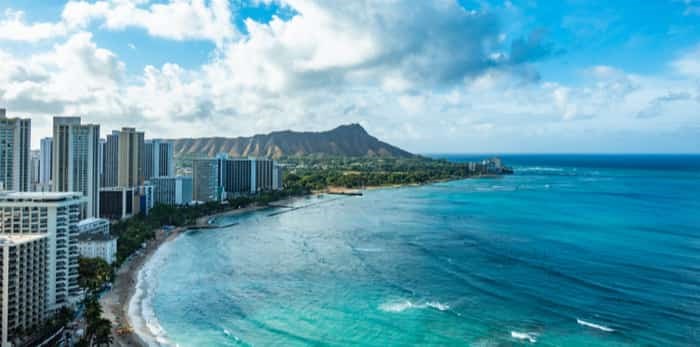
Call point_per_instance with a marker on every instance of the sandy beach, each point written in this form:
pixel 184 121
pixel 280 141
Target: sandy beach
pixel 115 303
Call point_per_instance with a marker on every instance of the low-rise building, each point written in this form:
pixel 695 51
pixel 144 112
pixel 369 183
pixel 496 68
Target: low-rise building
pixel 102 246
pixel 23 281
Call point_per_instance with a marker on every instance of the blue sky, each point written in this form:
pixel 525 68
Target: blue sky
pixel 442 76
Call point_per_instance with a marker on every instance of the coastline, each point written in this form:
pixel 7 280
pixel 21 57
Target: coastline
pixel 117 301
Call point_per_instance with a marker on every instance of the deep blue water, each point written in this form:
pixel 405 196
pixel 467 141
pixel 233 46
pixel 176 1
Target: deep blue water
pixel 569 251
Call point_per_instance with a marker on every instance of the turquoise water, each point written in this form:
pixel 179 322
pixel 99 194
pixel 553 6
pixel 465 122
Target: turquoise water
pixel 605 253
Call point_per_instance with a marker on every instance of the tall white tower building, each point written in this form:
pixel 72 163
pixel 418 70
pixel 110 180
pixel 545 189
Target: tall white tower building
pixel 76 160
pixel 55 215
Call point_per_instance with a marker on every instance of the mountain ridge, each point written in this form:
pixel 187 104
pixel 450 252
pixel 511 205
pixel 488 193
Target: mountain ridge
pixel 345 140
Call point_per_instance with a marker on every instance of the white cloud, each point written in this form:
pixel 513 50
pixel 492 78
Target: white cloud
pixel 414 72
pixel 14 28
pixel 688 64
pixel 177 19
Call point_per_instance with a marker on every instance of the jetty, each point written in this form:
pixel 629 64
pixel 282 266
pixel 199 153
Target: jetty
pixel 343 191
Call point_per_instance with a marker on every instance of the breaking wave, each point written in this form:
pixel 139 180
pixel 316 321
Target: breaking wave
pixel 531 337
pixel 594 326
pixel 403 305
pixel 142 317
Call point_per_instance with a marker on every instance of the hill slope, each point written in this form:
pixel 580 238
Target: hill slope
pixel 345 140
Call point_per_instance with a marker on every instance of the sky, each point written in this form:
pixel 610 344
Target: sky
pixel 443 76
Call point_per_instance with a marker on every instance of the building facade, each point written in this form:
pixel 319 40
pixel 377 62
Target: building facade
pixel 98 246
pixel 23 281
pixel 75 160
pixel 55 215
pixel 205 184
pixel 224 177
pixel 45 164
pixel 35 172
pixel 110 160
pixel 263 174
pixel 15 142
pixel 119 202
pixel 131 145
pixel 158 160
pixel 235 176
pixel 172 190
pixel 146 198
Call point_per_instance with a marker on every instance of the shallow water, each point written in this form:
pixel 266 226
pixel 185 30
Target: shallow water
pixel 605 253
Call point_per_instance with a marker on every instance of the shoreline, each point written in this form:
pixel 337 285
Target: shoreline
pixel 117 301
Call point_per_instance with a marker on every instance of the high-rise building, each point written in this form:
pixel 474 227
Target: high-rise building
pixel 277 176
pixel 15 142
pixel 45 164
pixel 110 160
pixel 55 215
pixel 101 160
pixel 172 190
pixel 263 174
pixel 224 177
pixel 75 160
pixel 205 184
pixel 35 171
pixel 235 176
pixel 23 283
pixel 130 157
pixel 158 159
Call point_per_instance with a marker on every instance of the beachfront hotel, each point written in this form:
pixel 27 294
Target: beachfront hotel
pixel 103 246
pixel 76 160
pixel 225 177
pixel 15 145
pixel 56 216
pixel 172 190
pixel 23 271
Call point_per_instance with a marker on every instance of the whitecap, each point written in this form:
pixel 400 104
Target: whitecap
pixel 531 337
pixel 368 250
pixel 594 326
pixel 403 305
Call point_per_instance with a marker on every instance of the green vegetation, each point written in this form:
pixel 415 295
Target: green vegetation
pixel 316 173
pixel 94 273
pixel 99 330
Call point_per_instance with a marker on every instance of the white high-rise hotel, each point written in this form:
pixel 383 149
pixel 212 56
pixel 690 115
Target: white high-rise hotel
pixel 55 215
pixel 14 153
pixel 76 160
pixel 22 283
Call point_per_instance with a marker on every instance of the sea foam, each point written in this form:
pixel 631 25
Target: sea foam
pixel 594 326
pixel 403 305
pixel 531 337
pixel 141 313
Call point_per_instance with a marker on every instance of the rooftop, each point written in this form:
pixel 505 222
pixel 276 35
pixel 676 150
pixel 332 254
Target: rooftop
pixel 95 237
pixel 91 220
pixel 15 239
pixel 39 196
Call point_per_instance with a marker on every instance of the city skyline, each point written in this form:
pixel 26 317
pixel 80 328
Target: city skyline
pixel 450 76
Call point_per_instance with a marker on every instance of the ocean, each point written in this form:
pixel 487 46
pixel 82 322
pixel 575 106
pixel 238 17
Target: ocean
pixel 571 250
